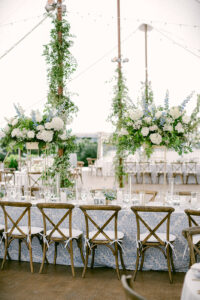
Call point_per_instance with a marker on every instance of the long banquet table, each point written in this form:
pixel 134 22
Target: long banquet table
pixel 154 259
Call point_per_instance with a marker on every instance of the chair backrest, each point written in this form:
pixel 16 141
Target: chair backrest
pixel 160 166
pixel 190 167
pixel 7 176
pixel 13 222
pixel 129 292
pixel 55 227
pixel 130 167
pixel 191 213
pixel 152 193
pixel 90 161
pixel 34 179
pixel 138 210
pixel 188 233
pixel 100 229
pixel 177 166
pixel 144 166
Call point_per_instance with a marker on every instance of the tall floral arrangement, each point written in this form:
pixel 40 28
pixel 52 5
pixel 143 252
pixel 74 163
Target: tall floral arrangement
pixel 149 125
pixel 46 128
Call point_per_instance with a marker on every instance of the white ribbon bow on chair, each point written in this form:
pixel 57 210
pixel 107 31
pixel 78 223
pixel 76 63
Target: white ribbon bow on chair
pixel 45 241
pixel 67 241
pixel 118 242
pixel 172 247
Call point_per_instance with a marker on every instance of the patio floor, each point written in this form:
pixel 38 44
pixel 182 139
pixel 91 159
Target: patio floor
pixel 56 283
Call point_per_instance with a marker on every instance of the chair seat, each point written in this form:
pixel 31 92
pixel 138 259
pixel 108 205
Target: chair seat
pixel 161 235
pixel 25 229
pixel 75 233
pixel 110 234
pixel 196 238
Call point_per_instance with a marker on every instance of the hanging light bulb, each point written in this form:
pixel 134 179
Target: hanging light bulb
pixel 50 6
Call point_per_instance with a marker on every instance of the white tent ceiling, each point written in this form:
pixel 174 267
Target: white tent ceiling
pixel 173 51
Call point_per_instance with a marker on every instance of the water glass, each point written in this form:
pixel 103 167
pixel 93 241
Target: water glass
pixel 193 199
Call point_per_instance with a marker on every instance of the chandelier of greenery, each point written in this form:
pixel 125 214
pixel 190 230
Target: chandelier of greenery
pixel 147 125
pixel 61 64
pixel 120 105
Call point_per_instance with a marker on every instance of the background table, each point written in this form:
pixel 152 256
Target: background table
pixel 190 287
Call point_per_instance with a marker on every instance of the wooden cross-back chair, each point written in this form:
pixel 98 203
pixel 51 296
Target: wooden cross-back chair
pixel 144 169
pixel 191 234
pixel 152 238
pixel 131 169
pixel 101 236
pixel 191 170
pixel 177 170
pixel 34 182
pixel 129 292
pixel 7 176
pixel 13 229
pixel 59 234
pixel 161 170
pixel 193 222
pixel 146 192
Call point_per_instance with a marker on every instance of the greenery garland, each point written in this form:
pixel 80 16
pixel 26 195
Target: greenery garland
pixel 61 64
pixel 120 105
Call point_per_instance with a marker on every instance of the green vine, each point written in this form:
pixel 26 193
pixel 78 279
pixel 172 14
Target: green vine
pixel 61 64
pixel 120 105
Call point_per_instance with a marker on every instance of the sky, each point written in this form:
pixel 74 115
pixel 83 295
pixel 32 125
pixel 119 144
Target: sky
pixel 173 54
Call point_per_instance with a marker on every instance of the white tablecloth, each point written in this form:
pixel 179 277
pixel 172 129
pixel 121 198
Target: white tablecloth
pixel 191 287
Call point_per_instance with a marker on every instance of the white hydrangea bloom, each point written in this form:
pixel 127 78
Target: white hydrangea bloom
pixel 48 125
pixel 153 128
pixel 148 120
pixel 145 131
pixel 14 122
pixel 16 132
pixel 179 127
pixel 7 128
pixel 2 134
pixel 169 120
pixel 167 127
pixel 158 114
pixel 136 115
pixel 30 134
pixel 186 119
pixel 40 127
pixel 175 112
pixel 57 123
pixel 45 135
pixel 156 138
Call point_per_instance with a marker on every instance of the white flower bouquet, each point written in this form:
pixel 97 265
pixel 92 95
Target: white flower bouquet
pixel 152 125
pixel 42 128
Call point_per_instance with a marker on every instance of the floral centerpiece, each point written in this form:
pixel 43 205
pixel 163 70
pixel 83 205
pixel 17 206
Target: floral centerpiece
pixel 149 125
pixel 41 128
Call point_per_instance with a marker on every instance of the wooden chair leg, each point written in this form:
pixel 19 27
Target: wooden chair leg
pixel 79 244
pixel 136 265
pixel 19 253
pixel 30 254
pixel 55 253
pixel 8 256
pixel 168 263
pixel 93 255
pixel 196 178
pixel 186 179
pixel 86 261
pixel 122 260
pixel 116 260
pixel 41 243
pixel 43 259
pixel 72 258
pixel 142 260
pixel 5 253
pixel 172 261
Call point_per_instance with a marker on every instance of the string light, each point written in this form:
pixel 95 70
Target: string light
pixel 176 43
pixel 20 21
pixel 23 38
